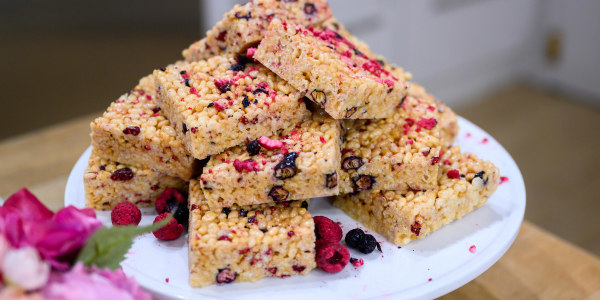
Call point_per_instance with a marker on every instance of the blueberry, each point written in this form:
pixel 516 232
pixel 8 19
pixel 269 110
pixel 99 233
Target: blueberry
pixel 367 244
pixel 353 237
pixel 180 211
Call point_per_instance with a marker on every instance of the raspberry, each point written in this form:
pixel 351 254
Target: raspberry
pixel 172 201
pixel 125 213
pixel 248 165
pixel 332 258
pixel 357 262
pixel 320 243
pixel 453 174
pixel 353 237
pixel 169 231
pixel 327 230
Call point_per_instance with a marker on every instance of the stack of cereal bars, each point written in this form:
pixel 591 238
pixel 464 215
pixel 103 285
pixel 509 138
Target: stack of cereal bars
pixel 278 104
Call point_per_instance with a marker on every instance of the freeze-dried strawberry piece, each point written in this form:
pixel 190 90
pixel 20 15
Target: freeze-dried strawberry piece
pixel 269 143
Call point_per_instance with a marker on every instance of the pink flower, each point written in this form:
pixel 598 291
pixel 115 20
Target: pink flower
pixel 93 283
pixel 25 221
pixel 4 247
pixel 24 268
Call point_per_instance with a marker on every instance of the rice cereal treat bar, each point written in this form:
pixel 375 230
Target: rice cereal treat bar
pixel 245 25
pixel 331 71
pixel 108 183
pixel 247 243
pixel 223 102
pixel 446 117
pixel 401 152
pixel 134 131
pixel 297 163
pixel 465 183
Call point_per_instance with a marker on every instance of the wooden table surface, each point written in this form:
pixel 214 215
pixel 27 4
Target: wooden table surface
pixel 538 265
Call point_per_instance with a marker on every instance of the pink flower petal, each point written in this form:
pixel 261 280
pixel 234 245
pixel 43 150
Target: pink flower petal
pixel 28 206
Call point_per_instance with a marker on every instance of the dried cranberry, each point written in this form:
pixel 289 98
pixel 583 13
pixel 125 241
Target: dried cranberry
pixel 221 36
pixel 416 228
pixel 133 130
pixel 286 168
pixel 309 8
pixel 298 268
pixel 225 275
pixel 123 174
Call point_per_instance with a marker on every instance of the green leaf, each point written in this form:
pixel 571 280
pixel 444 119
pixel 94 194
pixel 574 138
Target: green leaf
pixel 106 248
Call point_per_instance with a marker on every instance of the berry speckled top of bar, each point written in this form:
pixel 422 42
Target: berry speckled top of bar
pixel 134 131
pixel 247 243
pixel 464 183
pixel 401 152
pixel 223 102
pixel 245 25
pixel 297 163
pixel 334 25
pixel 331 71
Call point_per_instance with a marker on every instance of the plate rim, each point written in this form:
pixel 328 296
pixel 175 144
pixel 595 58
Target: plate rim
pixel 436 288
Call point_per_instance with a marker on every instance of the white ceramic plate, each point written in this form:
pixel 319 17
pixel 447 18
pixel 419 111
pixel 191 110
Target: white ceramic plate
pixel 426 268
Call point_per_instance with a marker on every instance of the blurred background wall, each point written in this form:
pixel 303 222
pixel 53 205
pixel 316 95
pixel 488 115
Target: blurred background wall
pixel 65 58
